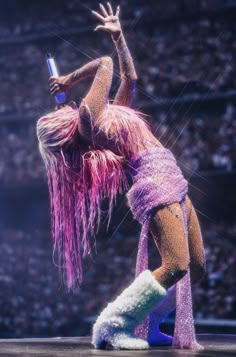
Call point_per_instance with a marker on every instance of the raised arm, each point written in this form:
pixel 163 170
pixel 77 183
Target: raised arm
pixel 96 99
pixel 127 86
pixel 112 25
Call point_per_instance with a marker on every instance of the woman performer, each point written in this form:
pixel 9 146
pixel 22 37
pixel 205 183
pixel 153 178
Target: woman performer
pixel 87 151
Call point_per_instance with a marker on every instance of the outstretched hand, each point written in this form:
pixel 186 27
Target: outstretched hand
pixel 110 20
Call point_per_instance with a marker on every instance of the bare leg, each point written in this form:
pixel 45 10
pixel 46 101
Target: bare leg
pixel 168 232
pixel 167 228
pixel 196 249
pixel 197 267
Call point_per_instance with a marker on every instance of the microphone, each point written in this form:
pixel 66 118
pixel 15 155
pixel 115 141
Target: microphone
pixel 60 98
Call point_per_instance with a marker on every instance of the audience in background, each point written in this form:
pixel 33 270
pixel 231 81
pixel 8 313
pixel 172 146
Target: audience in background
pixel 185 58
pixel 34 303
pixel 190 57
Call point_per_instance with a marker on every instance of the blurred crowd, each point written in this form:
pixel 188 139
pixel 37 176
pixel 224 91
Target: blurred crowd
pixel 42 16
pixel 201 142
pixel 186 58
pixel 20 161
pixel 216 295
pixel 33 302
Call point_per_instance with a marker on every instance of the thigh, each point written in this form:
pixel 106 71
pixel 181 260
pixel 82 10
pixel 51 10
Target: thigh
pixel 167 229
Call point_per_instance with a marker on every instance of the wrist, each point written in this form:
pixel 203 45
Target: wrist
pixel 116 36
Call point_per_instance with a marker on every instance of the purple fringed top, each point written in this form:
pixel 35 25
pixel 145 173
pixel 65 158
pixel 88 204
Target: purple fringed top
pixel 158 181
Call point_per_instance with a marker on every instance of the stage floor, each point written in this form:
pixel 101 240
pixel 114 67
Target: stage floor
pixel 215 345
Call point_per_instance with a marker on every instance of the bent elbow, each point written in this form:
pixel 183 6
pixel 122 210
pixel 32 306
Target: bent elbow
pixel 106 60
pixel 131 79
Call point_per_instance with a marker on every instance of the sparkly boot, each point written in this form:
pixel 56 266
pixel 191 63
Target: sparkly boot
pixel 116 323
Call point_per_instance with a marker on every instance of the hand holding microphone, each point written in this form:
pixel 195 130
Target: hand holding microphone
pixel 58 86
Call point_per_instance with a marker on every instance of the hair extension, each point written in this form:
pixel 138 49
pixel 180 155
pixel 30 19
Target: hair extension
pixel 126 126
pixel 79 180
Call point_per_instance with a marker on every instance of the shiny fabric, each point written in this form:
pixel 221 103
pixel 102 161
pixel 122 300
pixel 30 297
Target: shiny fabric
pixel 158 182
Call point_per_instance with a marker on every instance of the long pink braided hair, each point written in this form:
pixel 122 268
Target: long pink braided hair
pixel 81 176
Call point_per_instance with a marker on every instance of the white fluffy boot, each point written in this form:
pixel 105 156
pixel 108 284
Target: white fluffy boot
pixel 116 323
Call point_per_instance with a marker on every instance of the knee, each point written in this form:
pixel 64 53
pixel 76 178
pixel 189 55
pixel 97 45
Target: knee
pixel 181 270
pixel 178 271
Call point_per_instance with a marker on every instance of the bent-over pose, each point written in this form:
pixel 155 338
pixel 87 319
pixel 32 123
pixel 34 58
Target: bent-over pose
pixel 87 151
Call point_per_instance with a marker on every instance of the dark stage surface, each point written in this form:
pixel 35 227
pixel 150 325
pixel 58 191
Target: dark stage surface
pixel 215 345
